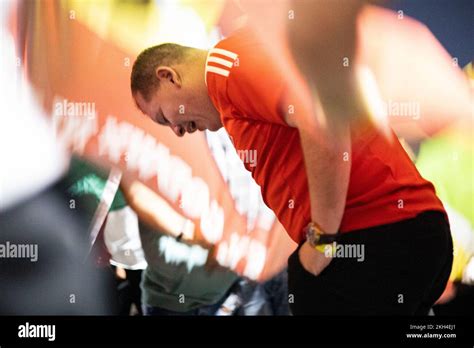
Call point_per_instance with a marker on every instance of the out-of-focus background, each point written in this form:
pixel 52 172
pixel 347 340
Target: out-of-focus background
pixel 70 129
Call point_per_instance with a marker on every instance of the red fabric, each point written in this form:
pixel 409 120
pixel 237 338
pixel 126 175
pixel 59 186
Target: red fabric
pixel 384 187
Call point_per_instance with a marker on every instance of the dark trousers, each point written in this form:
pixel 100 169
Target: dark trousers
pixel 405 268
pixel 204 310
pixel 129 291
pixel 461 304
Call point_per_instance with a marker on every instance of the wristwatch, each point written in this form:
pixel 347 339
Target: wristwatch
pixel 316 236
pixel 187 230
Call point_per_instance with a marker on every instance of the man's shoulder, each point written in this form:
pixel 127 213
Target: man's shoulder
pixel 230 56
pixel 243 81
pixel 223 64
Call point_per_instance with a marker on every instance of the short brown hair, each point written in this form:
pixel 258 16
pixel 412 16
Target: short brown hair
pixel 143 78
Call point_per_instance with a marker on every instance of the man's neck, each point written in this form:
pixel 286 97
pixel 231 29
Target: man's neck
pixel 199 60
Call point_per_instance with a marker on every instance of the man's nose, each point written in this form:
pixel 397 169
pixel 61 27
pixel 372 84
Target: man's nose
pixel 178 130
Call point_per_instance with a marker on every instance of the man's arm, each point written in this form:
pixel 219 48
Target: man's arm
pixel 327 154
pixel 159 214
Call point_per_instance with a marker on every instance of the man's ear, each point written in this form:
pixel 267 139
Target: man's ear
pixel 169 74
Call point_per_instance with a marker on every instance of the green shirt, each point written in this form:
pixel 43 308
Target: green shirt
pixel 176 278
pixel 88 181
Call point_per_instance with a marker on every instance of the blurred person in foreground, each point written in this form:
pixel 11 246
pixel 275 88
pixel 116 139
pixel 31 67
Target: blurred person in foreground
pixel 116 250
pixel 43 242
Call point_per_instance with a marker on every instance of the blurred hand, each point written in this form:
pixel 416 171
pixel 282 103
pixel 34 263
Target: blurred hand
pixel 192 234
pixel 312 260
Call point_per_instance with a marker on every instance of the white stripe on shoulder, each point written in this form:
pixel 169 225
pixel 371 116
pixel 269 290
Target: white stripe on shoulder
pixel 223 52
pixel 216 70
pixel 220 61
pixel 205 69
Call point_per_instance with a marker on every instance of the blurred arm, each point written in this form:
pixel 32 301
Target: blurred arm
pixel 152 209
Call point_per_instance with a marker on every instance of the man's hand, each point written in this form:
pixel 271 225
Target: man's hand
pixel 192 234
pixel 153 210
pixel 312 260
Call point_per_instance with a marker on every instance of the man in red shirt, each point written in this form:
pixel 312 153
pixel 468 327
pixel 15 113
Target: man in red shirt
pixel 393 251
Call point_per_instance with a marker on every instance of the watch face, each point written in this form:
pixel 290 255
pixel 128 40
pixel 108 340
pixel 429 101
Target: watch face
pixel 312 236
pixel 316 237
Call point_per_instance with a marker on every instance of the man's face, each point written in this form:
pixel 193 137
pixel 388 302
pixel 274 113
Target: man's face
pixel 178 106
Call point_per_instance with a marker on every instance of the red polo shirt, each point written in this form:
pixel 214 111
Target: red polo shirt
pixel 247 90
